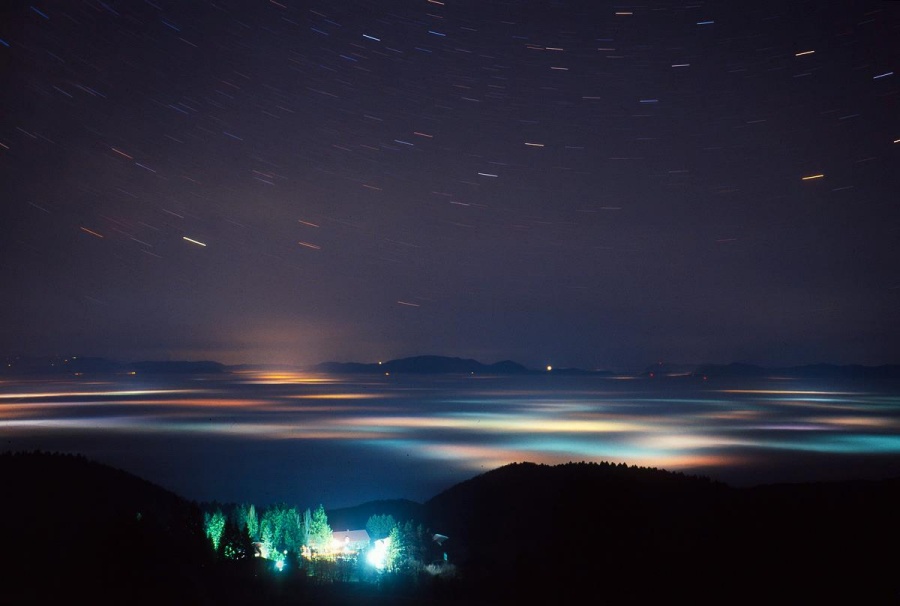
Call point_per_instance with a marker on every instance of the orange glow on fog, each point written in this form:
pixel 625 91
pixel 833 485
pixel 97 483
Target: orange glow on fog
pixel 198 402
pixel 688 441
pixel 509 424
pixel 474 456
pixel 337 396
pixel 478 457
pixel 83 394
pixel 464 428
pixel 733 415
pixel 335 408
pixel 688 461
pixel 253 377
pixel 875 422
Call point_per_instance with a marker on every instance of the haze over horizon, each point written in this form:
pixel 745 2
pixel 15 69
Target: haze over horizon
pixel 569 184
pixel 429 364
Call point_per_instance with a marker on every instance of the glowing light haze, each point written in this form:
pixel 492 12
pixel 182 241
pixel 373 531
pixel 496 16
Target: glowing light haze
pixel 267 437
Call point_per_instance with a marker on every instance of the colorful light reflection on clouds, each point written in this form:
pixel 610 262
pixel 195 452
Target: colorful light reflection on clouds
pixel 460 426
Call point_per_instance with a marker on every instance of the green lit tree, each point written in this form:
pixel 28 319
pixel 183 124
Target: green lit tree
pixel 214 524
pixel 379 526
pixel 272 526
pixel 306 523
pixel 248 520
pixel 395 550
pixel 281 529
pixel 415 543
pixel 293 530
pixel 320 533
pixel 267 538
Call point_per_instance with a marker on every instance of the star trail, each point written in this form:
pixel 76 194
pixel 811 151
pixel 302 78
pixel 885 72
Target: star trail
pixel 571 183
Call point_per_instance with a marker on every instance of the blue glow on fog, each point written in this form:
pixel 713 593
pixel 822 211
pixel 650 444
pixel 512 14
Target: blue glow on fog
pixel 395 436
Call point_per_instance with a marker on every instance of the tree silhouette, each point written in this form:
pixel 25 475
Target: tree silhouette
pixel 248 520
pixel 379 526
pixel 320 533
pixel 235 543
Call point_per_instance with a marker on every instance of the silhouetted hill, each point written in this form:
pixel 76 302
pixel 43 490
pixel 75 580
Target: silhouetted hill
pixel 75 528
pixel 71 365
pixel 425 365
pixel 54 365
pixel 347 368
pixel 77 531
pixel 511 514
pixel 538 533
pixel 445 365
pixel 177 367
pixel 581 372
pixel 752 371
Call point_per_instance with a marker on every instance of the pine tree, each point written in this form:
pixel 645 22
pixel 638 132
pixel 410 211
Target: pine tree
pixel 251 522
pixel 215 525
pixel 320 533
pixel 293 530
pixel 267 539
pixel 379 526
pixel 395 550
pixel 307 522
pixel 235 542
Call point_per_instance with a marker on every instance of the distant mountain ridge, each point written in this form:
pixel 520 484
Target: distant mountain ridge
pixel 60 365
pixel 433 364
pixel 423 365
pixel 809 371
pixel 451 365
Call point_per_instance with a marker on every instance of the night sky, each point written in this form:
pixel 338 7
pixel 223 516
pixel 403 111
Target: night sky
pixel 571 183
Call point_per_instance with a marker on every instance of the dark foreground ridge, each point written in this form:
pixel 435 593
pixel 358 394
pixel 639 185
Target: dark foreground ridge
pixel 522 534
pixel 626 533
pixel 78 529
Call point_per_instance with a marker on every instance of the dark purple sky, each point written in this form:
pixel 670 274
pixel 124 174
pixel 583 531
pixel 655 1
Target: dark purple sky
pixel 551 182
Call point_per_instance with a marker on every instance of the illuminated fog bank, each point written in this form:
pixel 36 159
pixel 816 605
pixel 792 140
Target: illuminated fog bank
pixel 372 429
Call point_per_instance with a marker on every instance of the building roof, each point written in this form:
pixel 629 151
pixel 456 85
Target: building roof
pixel 350 536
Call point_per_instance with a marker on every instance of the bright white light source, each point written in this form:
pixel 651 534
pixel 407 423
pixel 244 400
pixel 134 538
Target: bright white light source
pixel 377 556
pixel 279 565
